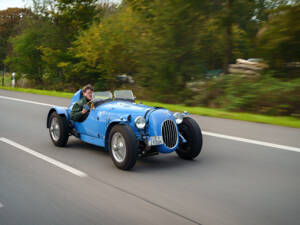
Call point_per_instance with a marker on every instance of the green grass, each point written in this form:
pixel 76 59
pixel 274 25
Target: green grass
pixel 219 113
pixel 275 120
pixel 40 92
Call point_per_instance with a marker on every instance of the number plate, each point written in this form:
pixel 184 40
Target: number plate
pixel 155 140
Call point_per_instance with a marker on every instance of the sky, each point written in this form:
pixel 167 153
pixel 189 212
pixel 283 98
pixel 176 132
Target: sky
pixel 4 4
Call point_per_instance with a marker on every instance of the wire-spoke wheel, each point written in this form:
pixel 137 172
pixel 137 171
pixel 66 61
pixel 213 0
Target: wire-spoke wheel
pixel 59 130
pixel 118 147
pixel 55 129
pixel 123 146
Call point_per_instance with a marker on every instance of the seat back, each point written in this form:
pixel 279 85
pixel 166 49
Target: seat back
pixel 76 97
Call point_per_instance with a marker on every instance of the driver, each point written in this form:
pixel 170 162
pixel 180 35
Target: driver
pixel 81 109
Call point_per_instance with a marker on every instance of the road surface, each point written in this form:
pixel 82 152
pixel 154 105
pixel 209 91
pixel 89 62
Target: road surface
pixel 247 173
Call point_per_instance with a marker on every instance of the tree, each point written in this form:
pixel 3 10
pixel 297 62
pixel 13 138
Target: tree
pixel 50 34
pixel 167 57
pixel 279 38
pixel 108 48
pixel 26 56
pixel 73 16
pixel 264 7
pixel 9 20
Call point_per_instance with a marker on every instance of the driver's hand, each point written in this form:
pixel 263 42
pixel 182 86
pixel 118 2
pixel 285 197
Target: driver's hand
pixel 85 109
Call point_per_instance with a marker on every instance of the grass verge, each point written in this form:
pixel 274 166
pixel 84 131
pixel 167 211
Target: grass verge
pixel 40 92
pixel 219 113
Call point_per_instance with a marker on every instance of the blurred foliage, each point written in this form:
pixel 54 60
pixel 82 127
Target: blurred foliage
pixel 26 56
pixel 10 19
pixel 108 48
pixel 265 94
pixel 279 37
pixel 167 58
pixel 163 45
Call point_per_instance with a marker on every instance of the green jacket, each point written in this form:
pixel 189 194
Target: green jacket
pixel 76 114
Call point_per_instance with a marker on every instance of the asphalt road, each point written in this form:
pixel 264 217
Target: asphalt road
pixel 233 182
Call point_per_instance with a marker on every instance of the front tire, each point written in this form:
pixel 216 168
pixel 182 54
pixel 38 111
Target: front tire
pixel 59 130
pixel 191 131
pixel 123 146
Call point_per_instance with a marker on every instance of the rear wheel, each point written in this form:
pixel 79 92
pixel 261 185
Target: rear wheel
pixel 59 130
pixel 123 146
pixel 191 131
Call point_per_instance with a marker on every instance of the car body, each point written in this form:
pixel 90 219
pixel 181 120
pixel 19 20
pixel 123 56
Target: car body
pixel 155 129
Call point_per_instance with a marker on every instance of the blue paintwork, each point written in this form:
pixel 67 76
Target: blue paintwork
pixel 95 129
pixel 60 111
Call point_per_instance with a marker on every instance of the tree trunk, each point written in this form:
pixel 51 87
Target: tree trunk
pixel 229 37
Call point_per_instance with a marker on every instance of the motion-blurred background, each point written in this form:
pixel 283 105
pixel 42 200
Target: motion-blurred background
pixel 238 55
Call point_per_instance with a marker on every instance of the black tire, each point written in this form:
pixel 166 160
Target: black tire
pixel 131 144
pixel 63 131
pixel 191 131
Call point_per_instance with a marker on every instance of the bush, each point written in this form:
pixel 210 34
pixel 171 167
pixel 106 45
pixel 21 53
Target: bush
pixel 265 94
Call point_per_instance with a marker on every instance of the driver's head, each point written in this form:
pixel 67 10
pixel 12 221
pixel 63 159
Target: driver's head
pixel 87 91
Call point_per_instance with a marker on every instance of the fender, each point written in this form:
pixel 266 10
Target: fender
pixel 60 111
pixel 122 120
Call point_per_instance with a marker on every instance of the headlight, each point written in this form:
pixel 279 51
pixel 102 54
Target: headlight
pixel 140 122
pixel 178 117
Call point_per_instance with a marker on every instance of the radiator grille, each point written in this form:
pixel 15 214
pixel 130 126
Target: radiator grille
pixel 169 133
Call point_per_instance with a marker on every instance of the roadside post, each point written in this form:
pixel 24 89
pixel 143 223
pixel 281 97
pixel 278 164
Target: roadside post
pixel 13 81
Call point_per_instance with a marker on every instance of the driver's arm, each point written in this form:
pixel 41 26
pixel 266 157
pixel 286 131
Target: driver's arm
pixel 76 113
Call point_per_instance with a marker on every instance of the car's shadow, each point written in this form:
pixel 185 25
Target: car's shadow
pixel 161 162
pixel 78 145
pixel 144 164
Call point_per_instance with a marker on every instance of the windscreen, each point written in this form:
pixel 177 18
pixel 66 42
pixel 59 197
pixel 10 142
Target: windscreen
pixel 124 95
pixel 103 95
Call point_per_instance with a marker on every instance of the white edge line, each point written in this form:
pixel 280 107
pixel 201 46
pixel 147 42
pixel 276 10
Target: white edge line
pixel 27 101
pixel 251 141
pixel 45 158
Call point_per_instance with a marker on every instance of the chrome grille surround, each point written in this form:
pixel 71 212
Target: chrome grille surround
pixel 169 133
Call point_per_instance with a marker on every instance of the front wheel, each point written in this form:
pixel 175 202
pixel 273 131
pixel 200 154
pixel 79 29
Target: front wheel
pixel 123 146
pixel 191 132
pixel 59 130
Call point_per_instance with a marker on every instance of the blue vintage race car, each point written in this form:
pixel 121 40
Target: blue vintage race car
pixel 126 129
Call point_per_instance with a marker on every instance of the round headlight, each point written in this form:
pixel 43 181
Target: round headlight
pixel 140 122
pixel 178 117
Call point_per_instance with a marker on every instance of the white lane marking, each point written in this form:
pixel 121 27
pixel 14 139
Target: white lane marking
pixel 44 157
pixel 1 205
pixel 251 141
pixel 27 101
